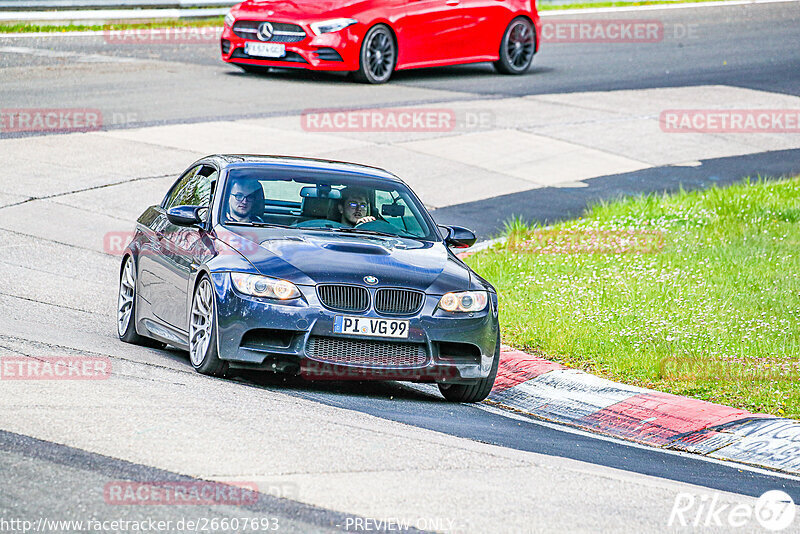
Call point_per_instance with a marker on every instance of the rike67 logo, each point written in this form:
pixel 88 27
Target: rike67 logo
pixel 774 511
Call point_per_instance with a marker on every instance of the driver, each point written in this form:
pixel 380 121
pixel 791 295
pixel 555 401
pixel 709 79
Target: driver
pixel 354 207
pixel 246 201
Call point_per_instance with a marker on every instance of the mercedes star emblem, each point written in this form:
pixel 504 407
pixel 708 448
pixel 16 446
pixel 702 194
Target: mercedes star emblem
pixel 265 31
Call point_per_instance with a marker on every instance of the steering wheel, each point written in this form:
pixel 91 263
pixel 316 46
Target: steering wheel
pixel 378 226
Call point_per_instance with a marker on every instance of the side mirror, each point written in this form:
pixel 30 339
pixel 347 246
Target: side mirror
pixel 459 237
pixel 185 215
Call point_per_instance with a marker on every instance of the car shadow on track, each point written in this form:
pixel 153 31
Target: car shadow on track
pixel 476 70
pixel 332 389
pixel 431 74
pixel 292 75
pixel 329 391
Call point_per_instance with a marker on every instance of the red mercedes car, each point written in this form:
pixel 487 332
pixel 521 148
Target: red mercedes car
pixel 372 38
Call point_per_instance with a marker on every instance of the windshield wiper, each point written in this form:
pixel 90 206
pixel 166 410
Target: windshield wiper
pixel 346 230
pixel 257 224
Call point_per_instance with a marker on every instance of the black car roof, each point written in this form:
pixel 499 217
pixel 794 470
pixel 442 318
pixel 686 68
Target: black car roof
pixel 235 160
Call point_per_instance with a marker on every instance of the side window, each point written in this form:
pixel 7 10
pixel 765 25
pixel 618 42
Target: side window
pixel 394 210
pixel 193 189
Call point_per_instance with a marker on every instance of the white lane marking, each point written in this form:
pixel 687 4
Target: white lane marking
pixel 98 33
pixel 81 58
pixel 577 431
pixel 624 9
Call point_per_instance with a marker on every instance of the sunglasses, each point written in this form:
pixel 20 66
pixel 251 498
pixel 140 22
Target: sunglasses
pixel 354 205
pixel 240 197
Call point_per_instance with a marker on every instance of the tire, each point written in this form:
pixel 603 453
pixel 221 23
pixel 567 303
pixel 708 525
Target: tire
pixel 126 307
pixel 203 331
pixel 517 47
pixel 378 56
pixel 474 392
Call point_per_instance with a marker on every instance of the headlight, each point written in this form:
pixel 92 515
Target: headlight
pixel 264 286
pixel 229 20
pixel 333 25
pixel 464 301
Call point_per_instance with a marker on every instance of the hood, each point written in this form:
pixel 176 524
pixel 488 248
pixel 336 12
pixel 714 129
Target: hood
pixel 309 258
pixel 299 10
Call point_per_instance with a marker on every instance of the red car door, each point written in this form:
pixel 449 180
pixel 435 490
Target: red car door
pixel 487 20
pixel 430 32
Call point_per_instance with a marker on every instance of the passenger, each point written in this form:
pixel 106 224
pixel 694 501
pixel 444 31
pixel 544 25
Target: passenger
pixel 354 207
pixel 246 201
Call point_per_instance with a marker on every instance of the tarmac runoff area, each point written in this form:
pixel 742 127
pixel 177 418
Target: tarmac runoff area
pixel 58 280
pixel 455 152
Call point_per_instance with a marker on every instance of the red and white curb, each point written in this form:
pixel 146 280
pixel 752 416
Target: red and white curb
pixel 545 389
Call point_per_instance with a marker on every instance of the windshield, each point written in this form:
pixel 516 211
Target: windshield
pixel 329 202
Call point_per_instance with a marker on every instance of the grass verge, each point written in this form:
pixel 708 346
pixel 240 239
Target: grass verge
pixel 23 27
pixel 694 293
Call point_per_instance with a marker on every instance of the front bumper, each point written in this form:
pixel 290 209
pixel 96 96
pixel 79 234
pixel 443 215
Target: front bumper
pixel 256 333
pixel 314 52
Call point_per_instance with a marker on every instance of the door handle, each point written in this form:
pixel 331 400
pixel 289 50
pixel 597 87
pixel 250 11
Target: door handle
pixel 453 2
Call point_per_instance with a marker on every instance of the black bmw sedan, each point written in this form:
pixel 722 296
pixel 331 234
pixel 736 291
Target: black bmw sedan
pixel 325 269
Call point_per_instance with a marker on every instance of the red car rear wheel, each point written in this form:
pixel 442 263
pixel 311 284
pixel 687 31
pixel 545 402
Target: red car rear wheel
pixel 517 47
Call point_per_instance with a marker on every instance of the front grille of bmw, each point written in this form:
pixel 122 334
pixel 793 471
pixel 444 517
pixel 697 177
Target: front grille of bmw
pixel 388 301
pixel 366 352
pixel 344 298
pixel 282 32
pixel 398 301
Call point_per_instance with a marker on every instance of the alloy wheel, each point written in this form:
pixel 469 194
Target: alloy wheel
pixel 201 322
pixel 380 55
pixel 520 45
pixel 127 292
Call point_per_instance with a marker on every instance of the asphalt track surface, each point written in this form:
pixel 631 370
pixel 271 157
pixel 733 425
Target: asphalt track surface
pixel 754 47
pixel 426 409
